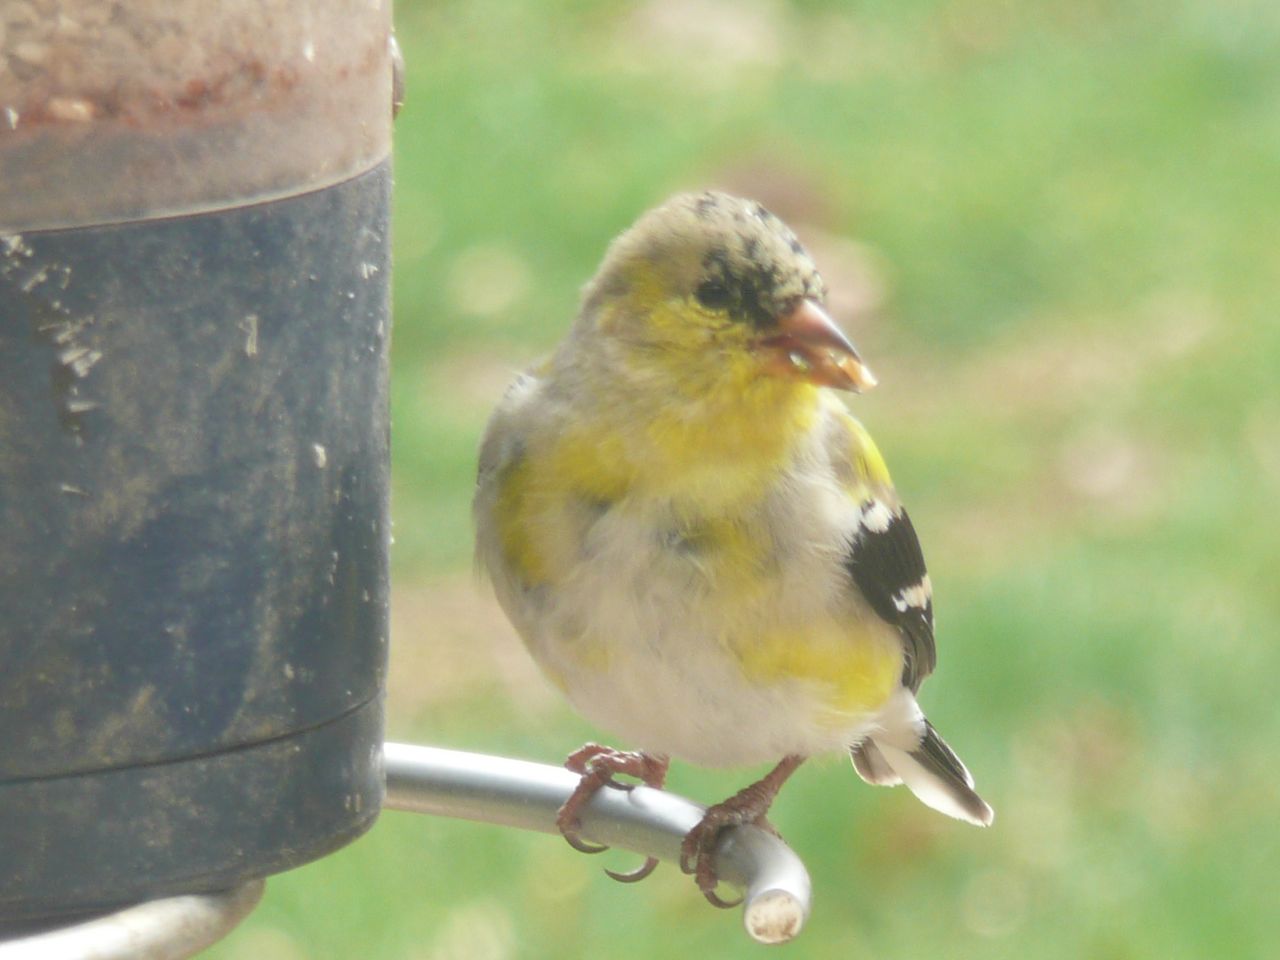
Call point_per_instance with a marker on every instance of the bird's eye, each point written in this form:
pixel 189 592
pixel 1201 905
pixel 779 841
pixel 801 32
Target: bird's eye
pixel 712 294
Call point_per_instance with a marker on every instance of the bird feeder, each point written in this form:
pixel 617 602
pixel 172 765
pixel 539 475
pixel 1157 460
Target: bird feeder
pixel 193 442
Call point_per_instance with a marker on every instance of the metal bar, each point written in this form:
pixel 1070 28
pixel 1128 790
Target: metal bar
pixel 516 793
pixel 169 929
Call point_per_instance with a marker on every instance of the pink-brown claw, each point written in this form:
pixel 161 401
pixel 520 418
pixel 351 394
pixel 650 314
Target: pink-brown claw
pixel 715 901
pixel 597 766
pixel 635 876
pixel 583 846
pixel 748 805
pixel 689 854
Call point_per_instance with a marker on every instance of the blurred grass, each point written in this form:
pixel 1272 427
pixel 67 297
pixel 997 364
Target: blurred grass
pixel 1066 275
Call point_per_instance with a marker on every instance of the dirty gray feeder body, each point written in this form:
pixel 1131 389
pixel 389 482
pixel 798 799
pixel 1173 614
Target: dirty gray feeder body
pixel 193 546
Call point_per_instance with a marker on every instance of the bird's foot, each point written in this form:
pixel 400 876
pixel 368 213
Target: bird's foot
pixel 597 765
pixel 748 805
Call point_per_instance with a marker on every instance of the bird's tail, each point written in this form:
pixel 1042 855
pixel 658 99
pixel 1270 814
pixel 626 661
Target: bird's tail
pixel 931 770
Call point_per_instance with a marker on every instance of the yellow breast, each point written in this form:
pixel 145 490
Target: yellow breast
pixel 708 464
pixel 852 667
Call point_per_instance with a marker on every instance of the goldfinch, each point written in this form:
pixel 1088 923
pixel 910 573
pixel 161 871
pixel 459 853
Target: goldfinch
pixel 698 543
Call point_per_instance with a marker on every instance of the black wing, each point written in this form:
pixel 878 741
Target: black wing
pixel 887 565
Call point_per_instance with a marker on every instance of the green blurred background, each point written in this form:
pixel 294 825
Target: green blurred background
pixel 1054 231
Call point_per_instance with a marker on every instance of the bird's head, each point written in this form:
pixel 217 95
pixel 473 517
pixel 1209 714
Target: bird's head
pixel 712 287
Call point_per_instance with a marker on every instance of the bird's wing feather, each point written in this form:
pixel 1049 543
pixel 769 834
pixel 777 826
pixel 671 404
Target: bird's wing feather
pixel 883 556
pixel 887 566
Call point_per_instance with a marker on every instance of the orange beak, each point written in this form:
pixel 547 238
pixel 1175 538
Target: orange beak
pixel 807 345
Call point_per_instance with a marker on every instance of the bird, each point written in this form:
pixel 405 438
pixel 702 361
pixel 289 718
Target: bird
pixel 698 543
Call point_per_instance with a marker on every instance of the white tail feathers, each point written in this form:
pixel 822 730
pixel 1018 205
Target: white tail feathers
pixel 931 771
pixel 872 766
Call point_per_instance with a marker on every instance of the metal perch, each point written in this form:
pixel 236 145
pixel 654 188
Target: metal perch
pixel 516 793
pixel 470 786
pixel 167 929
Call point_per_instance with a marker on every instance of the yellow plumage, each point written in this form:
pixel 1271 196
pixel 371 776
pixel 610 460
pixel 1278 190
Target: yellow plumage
pixel 539 514
pixel 698 543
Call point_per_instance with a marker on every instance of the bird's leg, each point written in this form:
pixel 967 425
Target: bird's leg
pixel 597 766
pixel 748 805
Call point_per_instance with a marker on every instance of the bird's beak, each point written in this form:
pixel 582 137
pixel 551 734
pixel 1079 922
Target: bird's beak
pixel 807 345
